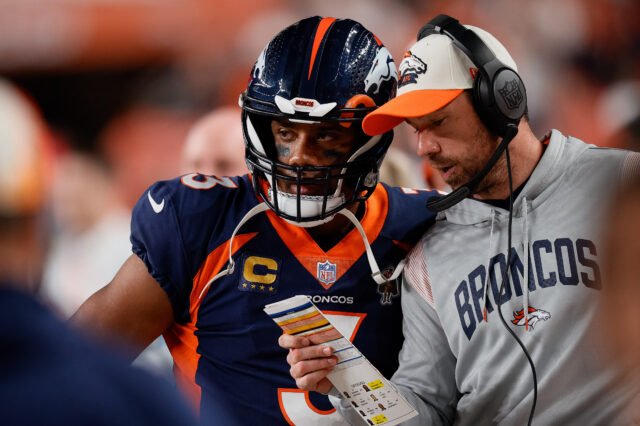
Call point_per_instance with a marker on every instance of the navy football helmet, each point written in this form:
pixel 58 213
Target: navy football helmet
pixel 317 70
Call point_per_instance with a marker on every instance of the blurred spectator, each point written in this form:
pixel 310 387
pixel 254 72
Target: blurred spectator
pixel 143 144
pixel 215 145
pixel 48 375
pixel 90 241
pixel 621 289
pixel 619 114
pixel 91 235
pixel 401 169
pixel 25 163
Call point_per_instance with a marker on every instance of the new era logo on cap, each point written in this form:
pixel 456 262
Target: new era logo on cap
pixel 432 73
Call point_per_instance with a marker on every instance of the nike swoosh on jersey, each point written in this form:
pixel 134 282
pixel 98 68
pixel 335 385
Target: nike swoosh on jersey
pixel 155 206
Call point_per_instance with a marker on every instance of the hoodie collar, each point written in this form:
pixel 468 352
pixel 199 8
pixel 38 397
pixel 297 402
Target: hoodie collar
pixel 552 164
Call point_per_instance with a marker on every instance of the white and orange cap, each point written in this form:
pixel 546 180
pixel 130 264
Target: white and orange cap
pixel 432 73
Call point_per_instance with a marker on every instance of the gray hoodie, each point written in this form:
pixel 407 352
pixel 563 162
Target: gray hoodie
pixel 455 367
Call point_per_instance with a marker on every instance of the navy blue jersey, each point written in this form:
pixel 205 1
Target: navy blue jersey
pixel 224 345
pixel 50 376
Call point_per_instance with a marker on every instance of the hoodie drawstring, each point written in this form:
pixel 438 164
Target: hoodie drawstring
pixel 525 278
pixel 486 278
pixel 525 245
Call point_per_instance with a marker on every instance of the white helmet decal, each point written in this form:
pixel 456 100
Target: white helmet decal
pixel 258 68
pixel 383 69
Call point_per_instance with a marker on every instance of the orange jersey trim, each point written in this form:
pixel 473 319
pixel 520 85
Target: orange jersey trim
pixel 404 246
pixel 181 338
pixel 182 344
pixel 348 250
pixel 323 27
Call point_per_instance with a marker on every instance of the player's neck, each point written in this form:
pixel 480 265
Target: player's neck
pixel 331 233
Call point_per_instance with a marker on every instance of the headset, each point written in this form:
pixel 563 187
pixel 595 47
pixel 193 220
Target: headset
pixel 499 97
pixel 500 100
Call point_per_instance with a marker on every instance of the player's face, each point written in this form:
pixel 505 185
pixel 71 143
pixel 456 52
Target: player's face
pixel 311 144
pixel 456 143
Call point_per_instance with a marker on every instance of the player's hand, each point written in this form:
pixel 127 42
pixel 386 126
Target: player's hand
pixel 309 363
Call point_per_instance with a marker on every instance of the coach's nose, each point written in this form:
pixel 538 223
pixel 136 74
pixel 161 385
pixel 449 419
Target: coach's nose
pixel 427 143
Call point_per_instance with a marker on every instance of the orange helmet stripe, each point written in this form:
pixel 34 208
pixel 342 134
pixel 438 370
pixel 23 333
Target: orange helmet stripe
pixel 323 27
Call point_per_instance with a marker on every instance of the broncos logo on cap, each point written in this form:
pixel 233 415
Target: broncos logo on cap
pixel 383 69
pixel 410 67
pixel 534 316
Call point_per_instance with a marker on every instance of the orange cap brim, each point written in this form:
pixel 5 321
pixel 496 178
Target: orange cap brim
pixel 411 104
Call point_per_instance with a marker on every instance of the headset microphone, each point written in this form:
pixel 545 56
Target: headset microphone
pixel 438 204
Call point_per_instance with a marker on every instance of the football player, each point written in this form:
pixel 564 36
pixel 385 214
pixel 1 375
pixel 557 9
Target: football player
pixel 310 218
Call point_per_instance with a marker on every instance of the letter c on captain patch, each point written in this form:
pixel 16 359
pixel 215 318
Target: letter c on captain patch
pixel 259 274
pixel 259 269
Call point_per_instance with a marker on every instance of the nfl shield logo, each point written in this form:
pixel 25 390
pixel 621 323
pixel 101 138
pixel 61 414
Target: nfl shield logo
pixel 511 94
pixel 326 272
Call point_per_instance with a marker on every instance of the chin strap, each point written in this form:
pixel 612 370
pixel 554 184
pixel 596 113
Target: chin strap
pixel 229 269
pixel 376 274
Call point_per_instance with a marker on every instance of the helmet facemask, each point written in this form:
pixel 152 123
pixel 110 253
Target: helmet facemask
pixel 338 185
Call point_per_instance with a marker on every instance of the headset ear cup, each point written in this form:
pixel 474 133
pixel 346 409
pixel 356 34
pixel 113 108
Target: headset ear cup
pixel 484 104
pixel 501 101
pixel 509 94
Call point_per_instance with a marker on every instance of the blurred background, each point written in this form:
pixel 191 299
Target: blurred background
pixel 116 88
pixel 128 78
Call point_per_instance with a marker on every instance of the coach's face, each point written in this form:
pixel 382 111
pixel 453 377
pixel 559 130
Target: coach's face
pixel 456 143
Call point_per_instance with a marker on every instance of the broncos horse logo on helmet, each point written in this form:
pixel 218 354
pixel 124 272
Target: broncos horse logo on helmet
pixel 317 70
pixel 383 69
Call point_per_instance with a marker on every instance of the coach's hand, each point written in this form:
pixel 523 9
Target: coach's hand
pixel 310 364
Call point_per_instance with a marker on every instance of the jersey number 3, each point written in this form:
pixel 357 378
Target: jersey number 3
pixel 206 182
pixel 295 404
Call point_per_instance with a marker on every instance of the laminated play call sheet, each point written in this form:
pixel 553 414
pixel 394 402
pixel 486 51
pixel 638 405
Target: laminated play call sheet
pixel 359 382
